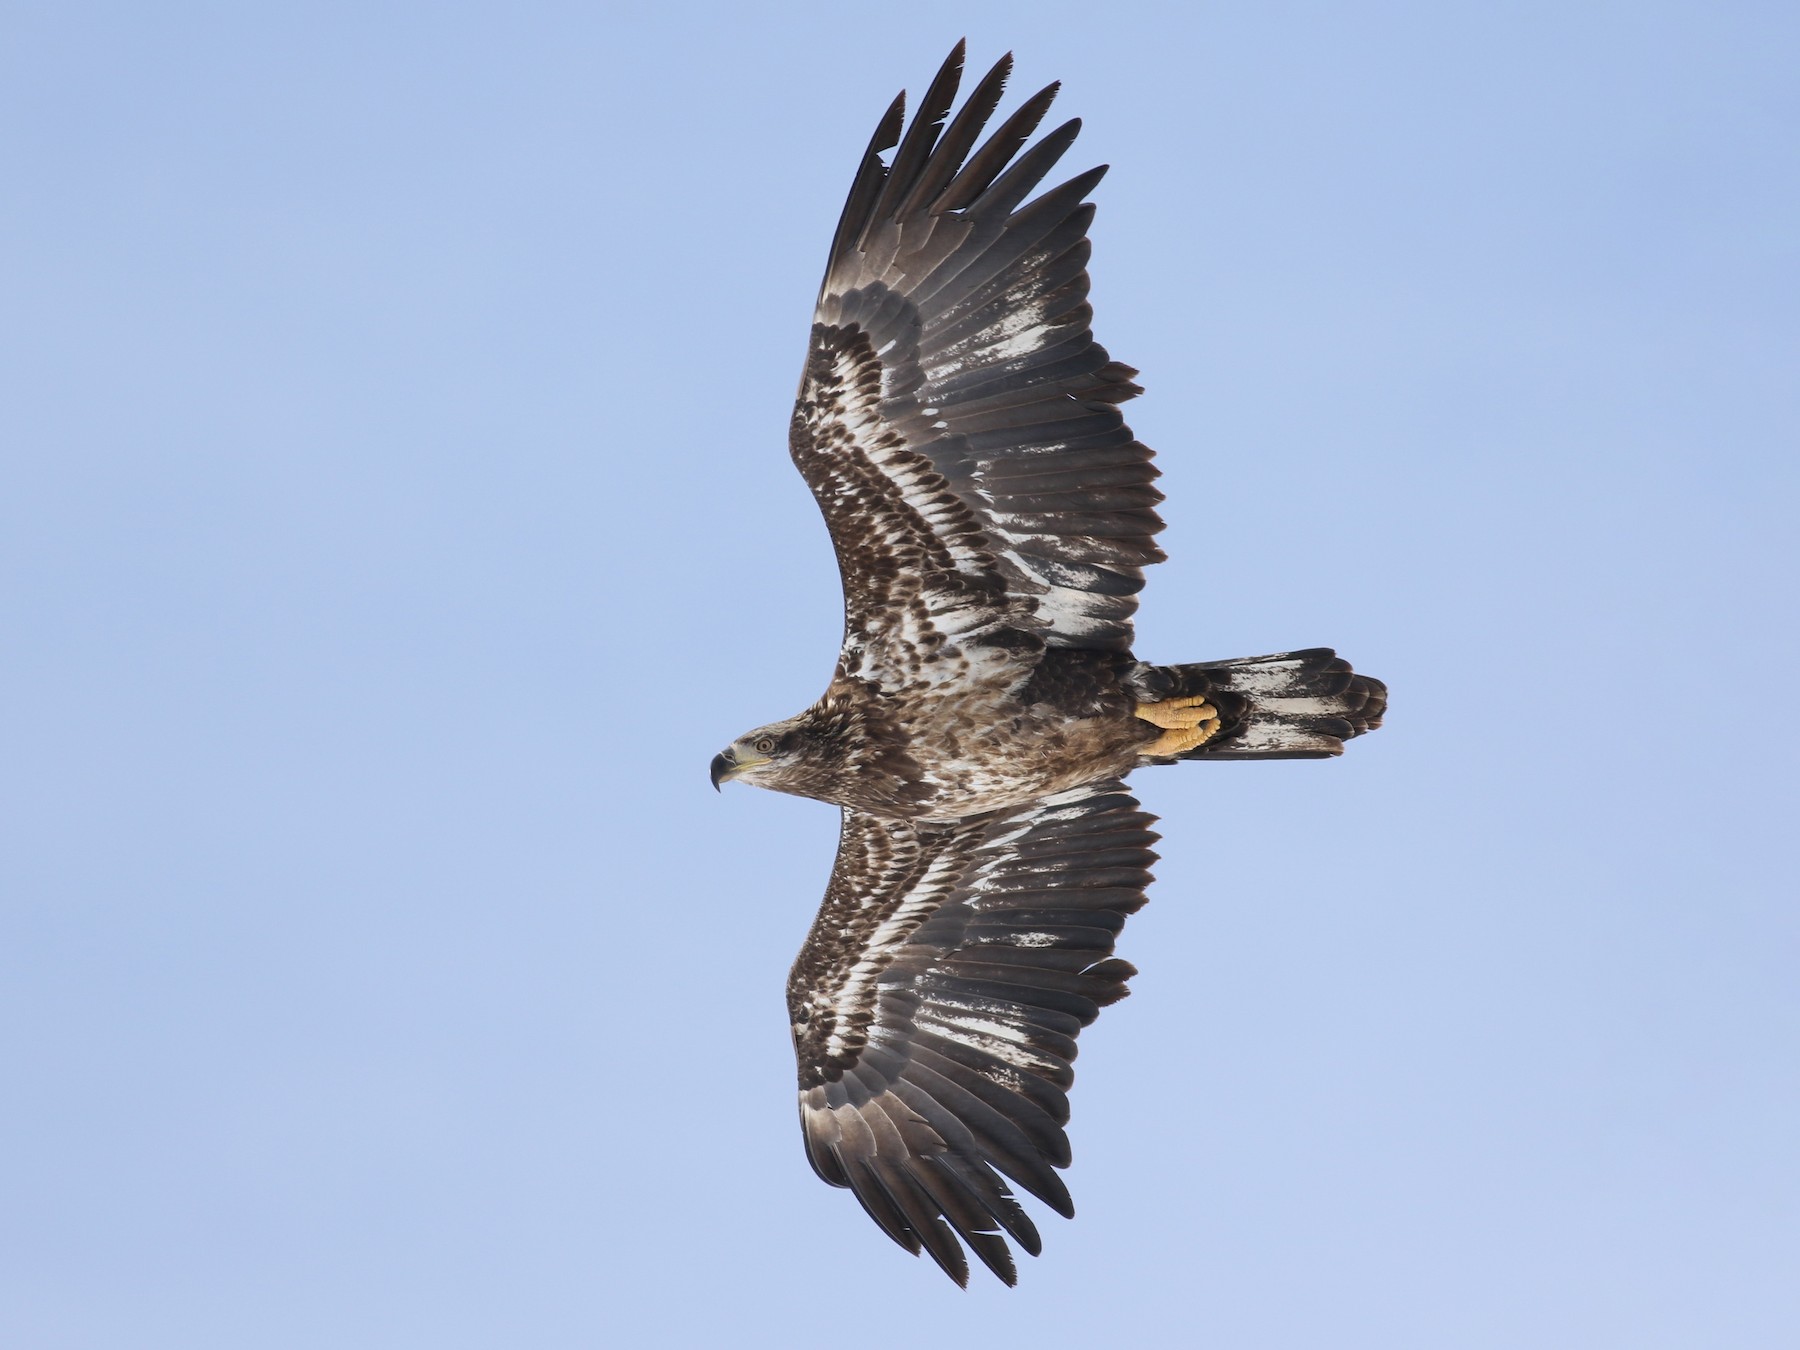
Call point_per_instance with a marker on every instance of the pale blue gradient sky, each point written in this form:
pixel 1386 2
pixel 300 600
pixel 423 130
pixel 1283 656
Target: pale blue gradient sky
pixel 397 517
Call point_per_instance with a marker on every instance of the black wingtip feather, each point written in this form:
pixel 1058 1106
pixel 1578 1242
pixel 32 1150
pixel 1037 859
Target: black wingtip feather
pixel 998 151
pixel 954 145
pixel 995 1255
pixel 1008 189
pixel 880 1204
pixel 921 1210
pixel 921 137
pixel 870 175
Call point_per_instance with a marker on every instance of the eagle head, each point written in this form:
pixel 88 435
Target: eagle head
pixel 840 750
pixel 767 757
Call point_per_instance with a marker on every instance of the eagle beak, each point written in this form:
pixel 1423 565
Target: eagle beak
pixel 726 765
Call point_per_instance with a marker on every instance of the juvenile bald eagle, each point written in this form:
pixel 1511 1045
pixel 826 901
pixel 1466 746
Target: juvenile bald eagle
pixel 992 515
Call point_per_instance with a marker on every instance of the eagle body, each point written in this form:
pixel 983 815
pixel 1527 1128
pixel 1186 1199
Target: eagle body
pixel 979 746
pixel 992 515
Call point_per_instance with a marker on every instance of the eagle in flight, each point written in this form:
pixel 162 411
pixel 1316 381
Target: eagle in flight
pixel 992 515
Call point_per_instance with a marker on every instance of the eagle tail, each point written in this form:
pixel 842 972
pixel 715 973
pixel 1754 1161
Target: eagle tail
pixel 1291 705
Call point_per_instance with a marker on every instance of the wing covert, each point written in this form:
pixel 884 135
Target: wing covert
pixel 936 1003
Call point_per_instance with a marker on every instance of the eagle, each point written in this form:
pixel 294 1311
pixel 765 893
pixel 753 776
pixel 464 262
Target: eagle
pixel 992 516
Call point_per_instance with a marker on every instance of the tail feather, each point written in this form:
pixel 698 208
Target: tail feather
pixel 1292 705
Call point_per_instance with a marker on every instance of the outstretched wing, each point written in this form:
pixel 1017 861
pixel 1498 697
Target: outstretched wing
pixel 956 419
pixel 935 1007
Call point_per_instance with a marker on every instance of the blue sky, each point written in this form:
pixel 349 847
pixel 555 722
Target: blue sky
pixel 397 518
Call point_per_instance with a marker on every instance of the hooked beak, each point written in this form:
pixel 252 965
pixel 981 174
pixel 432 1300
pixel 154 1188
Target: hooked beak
pixel 726 766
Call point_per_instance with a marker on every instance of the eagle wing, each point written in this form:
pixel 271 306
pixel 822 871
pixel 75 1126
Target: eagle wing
pixel 935 1007
pixel 956 420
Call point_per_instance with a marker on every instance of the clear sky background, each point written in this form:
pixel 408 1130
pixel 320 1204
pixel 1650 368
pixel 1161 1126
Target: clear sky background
pixel 396 517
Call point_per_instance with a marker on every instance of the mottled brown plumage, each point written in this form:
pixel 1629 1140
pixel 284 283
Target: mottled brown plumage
pixel 992 515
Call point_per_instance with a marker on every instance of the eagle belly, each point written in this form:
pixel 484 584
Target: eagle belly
pixel 990 747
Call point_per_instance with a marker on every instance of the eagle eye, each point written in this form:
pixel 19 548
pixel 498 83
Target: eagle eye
pixel 765 745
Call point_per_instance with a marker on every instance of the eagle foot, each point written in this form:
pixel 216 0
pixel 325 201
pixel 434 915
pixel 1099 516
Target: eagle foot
pixel 1187 723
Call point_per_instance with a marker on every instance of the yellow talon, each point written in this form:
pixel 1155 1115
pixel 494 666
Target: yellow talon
pixel 1186 723
pixel 1172 743
pixel 1177 712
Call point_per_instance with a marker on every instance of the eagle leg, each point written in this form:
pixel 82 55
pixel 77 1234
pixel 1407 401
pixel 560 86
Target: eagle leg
pixel 1186 723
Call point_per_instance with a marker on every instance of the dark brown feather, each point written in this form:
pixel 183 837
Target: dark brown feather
pixel 918 1051
pixel 951 347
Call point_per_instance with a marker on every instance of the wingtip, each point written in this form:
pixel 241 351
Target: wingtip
pixel 887 132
